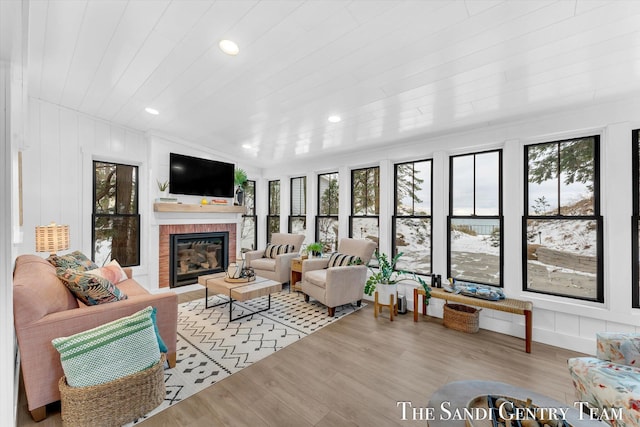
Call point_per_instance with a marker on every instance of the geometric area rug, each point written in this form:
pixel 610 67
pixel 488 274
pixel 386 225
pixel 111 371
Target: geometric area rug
pixel 210 347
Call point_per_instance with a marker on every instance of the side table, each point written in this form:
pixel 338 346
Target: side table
pixel 296 275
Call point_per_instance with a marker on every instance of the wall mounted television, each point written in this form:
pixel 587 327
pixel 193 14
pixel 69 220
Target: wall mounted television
pixel 200 177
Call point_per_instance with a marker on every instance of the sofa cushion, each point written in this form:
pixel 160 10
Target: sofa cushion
pixel 273 251
pixel 110 351
pixel 267 264
pixel 37 291
pixel 112 272
pixel 75 260
pixel 316 277
pixel 341 260
pixel 88 288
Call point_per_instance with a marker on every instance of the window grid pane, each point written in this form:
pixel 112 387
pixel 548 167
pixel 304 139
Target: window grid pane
pixel 474 224
pixel 563 227
pixel 327 232
pixel 412 221
pixel 328 194
pixel 298 196
pixel 116 223
pixel 635 224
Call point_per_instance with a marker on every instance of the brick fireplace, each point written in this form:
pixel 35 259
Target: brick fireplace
pixel 164 243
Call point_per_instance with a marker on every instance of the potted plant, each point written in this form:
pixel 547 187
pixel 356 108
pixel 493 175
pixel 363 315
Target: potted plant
pixel 385 280
pixel 240 180
pixel 163 186
pixel 315 249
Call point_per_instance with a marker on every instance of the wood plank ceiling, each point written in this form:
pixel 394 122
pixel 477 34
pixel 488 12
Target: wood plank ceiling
pixel 391 69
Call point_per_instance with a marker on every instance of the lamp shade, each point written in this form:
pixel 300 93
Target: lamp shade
pixel 52 238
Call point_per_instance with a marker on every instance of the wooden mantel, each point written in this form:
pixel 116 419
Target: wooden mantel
pixel 193 208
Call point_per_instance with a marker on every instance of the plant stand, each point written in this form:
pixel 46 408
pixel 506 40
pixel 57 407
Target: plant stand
pixel 393 305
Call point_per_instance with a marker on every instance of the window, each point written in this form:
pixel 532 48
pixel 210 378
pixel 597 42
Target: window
pixel 249 231
pixel 635 226
pixel 412 218
pixel 365 203
pixel 273 217
pixel 116 222
pixel 327 217
pixel 475 218
pixel 562 225
pixel 298 210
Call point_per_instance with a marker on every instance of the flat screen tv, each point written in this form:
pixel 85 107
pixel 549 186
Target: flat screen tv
pixel 200 177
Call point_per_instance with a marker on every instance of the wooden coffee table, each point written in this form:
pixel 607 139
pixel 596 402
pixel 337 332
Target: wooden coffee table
pixel 241 291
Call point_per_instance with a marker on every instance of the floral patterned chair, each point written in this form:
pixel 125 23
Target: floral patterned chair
pixel 612 380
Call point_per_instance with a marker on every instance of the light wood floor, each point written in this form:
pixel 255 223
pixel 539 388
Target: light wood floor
pixel 353 372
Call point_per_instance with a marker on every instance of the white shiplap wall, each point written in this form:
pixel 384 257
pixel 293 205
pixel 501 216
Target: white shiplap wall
pixel 57 169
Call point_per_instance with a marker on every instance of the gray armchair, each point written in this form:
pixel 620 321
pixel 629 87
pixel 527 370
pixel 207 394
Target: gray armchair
pixel 277 268
pixel 335 286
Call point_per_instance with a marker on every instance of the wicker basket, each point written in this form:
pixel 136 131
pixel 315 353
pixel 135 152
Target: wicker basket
pixel 114 403
pixel 461 318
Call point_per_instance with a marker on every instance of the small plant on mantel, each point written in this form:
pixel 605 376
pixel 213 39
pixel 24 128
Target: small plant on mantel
pixel 386 274
pixel 162 186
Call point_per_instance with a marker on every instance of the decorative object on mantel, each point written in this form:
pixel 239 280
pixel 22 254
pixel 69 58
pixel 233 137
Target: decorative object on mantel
pixel 52 238
pixel 164 188
pixel 240 181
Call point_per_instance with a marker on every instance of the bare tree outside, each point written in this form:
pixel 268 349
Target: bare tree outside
pixel 116 219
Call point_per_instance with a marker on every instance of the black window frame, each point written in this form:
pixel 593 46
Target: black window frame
pixel 395 216
pixel 251 213
pixel 597 217
pixel 136 216
pixel 353 216
pixel 499 217
pixel 271 215
pixel 303 213
pixel 635 219
pixel 319 215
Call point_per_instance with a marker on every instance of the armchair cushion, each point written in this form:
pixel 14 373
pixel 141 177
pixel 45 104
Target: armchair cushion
pixel 341 260
pixel 274 250
pixel 317 277
pixel 88 288
pixel 619 348
pixel 268 264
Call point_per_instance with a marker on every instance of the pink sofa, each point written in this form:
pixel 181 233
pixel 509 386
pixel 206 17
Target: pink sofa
pixel 44 309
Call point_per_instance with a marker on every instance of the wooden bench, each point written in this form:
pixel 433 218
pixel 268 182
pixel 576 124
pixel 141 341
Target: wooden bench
pixel 508 305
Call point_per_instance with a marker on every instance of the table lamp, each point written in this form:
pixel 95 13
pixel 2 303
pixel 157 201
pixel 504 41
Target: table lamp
pixel 52 238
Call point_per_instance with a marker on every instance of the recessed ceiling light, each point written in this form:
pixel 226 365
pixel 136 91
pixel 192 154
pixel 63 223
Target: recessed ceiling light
pixel 246 146
pixel 152 111
pixel 229 47
pixel 334 119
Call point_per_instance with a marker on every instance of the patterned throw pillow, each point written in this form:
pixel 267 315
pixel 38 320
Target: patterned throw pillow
pixel 112 272
pixel 274 250
pixel 340 260
pixel 111 351
pixel 88 288
pixel 75 260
